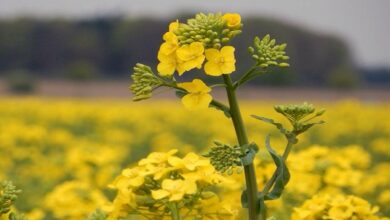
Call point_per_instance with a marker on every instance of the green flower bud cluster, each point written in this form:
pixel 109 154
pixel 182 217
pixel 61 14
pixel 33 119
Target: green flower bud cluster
pixel 266 53
pixel 225 158
pixel 210 29
pixel 14 216
pixel 8 194
pixel 296 113
pixel 144 82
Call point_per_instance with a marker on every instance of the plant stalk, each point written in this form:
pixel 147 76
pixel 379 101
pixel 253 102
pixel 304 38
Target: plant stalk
pixel 175 212
pixel 249 170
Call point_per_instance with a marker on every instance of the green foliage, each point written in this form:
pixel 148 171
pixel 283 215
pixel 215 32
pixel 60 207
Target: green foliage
pixel 343 78
pixel 20 81
pixel 81 71
pixel 282 174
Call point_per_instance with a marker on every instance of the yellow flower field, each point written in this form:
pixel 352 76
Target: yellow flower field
pixel 63 154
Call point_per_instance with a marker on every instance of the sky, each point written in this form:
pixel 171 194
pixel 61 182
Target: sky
pixel 364 24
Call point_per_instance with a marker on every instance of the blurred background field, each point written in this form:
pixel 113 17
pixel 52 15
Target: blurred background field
pixel 68 125
pixel 64 153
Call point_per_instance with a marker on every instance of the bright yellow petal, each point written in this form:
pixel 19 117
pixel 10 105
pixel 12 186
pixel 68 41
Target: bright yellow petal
pixel 227 53
pixel 212 69
pixel 190 187
pixel 167 48
pixel 212 54
pixel 232 19
pixel 176 197
pixel 188 86
pixel 196 101
pixel 137 181
pixel 159 194
pixel 228 68
pixel 168 184
pixel 166 69
pixel 175 162
pixel 184 53
pixel 197 48
pixel 201 86
pixel 173 26
pixel 190 101
pixel 204 101
pixel 170 37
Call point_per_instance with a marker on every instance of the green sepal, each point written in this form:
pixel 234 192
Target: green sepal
pixel 271 121
pixel 282 172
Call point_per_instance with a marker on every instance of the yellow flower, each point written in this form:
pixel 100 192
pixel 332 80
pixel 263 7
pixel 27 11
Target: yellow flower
pixel 157 157
pixel 168 64
pixel 232 19
pixel 220 62
pixel 173 26
pixel 191 161
pixel 167 56
pixel 191 56
pixel 198 96
pixel 128 179
pixel 174 189
pixel 170 45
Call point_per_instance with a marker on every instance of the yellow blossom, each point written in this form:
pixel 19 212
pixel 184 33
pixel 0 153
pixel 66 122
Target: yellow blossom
pixel 174 189
pixel 220 62
pixel 191 56
pixel 173 26
pixel 170 45
pixel 157 157
pixel 198 96
pixel 191 161
pixel 233 20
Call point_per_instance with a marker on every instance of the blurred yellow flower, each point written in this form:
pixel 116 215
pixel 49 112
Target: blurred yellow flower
pixel 232 19
pixel 174 189
pixel 198 96
pixel 191 55
pixel 220 62
pixel 191 161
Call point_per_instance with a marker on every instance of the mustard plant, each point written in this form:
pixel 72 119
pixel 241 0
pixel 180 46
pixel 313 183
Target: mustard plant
pixel 204 43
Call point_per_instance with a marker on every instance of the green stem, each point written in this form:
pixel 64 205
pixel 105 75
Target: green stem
pixel 174 211
pixel 250 176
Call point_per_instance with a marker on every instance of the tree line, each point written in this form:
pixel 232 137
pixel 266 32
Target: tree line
pixel 109 47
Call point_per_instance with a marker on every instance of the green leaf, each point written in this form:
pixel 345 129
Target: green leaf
pixel 244 199
pixel 306 127
pixel 283 175
pixel 271 121
pixel 219 106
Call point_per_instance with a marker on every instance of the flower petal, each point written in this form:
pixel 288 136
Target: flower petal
pixel 212 69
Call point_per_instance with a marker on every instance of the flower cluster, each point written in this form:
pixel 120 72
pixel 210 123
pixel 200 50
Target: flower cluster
pixel 144 82
pixel 163 184
pixel 337 207
pixel 187 46
pixel 266 53
pixel 225 158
